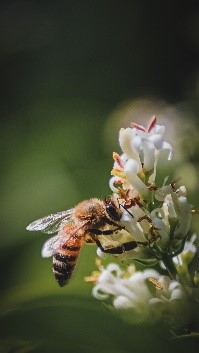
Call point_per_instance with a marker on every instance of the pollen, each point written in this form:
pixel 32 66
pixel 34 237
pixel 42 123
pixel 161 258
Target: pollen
pixel 156 283
pixel 93 278
pixel 117 172
pixel 152 123
pixel 118 160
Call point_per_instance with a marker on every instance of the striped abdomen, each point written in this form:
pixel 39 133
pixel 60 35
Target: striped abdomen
pixel 65 259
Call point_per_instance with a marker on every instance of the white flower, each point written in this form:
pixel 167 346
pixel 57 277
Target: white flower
pixel 141 148
pixel 126 139
pixel 160 222
pixel 131 171
pixel 112 182
pixel 162 192
pixel 167 290
pixel 169 205
pixel 143 145
pixel 139 222
pixel 132 224
pixel 152 134
pixel 132 290
pixel 183 214
pixel 176 208
pixel 157 221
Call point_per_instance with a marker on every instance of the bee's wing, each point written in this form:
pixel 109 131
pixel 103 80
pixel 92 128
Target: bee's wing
pixel 51 245
pixel 51 224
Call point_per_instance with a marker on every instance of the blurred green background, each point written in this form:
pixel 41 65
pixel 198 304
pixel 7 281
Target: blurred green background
pixel 72 74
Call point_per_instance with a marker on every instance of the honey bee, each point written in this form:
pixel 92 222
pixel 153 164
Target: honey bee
pixel 82 224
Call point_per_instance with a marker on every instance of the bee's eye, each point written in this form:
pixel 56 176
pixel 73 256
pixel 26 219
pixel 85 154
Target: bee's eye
pixel 113 212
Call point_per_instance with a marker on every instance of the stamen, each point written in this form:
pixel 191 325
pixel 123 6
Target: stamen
pixel 93 278
pixel 150 126
pixel 118 160
pixel 174 182
pixel 139 127
pixel 118 182
pixel 152 123
pixel 156 283
pixel 117 172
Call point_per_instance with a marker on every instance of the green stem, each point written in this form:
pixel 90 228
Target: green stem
pixel 168 262
pixel 174 274
pixel 185 336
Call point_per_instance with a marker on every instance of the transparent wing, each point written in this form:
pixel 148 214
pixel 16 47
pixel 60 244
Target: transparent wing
pixel 51 245
pixel 51 224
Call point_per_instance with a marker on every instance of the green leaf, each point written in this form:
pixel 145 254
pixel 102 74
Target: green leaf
pixel 148 262
pixel 75 324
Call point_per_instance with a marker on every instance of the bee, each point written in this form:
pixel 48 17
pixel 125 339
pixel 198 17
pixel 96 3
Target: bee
pixel 84 223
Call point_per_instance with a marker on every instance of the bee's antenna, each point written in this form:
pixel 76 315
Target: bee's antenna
pixel 126 209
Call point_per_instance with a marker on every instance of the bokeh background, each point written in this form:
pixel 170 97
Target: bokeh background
pixel 72 74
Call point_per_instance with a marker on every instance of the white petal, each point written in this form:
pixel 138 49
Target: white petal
pixel 137 143
pixel 189 244
pixel 132 166
pixel 158 223
pixel 167 146
pixel 114 268
pixel 106 277
pixel 174 285
pixel 111 184
pixel 134 228
pixel 182 191
pixel 101 254
pixel 125 141
pixel 137 183
pixel 168 206
pixel 154 301
pixel 165 281
pixel 149 155
pixel 153 175
pixel 161 193
pixel 122 302
pixel 98 293
pixel 136 277
pixel 183 211
pixel 151 273
pixel 126 217
pixel 157 141
pixel 160 129
pixel 131 169
pixel 177 294
pixel 157 211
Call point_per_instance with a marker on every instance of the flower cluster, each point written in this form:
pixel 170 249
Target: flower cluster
pixel 156 215
pixel 146 293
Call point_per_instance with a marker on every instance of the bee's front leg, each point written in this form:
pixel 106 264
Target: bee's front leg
pixel 120 249
pixel 103 232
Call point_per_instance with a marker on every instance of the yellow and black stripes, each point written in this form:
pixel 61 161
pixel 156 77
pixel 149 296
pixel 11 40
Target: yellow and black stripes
pixel 65 260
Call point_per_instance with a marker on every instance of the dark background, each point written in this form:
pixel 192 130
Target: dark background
pixel 72 74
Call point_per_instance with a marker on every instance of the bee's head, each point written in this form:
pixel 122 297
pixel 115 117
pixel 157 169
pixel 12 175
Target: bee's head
pixel 113 209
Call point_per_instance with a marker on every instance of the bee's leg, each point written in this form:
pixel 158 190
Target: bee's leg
pixel 112 223
pixel 130 245
pixel 104 232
